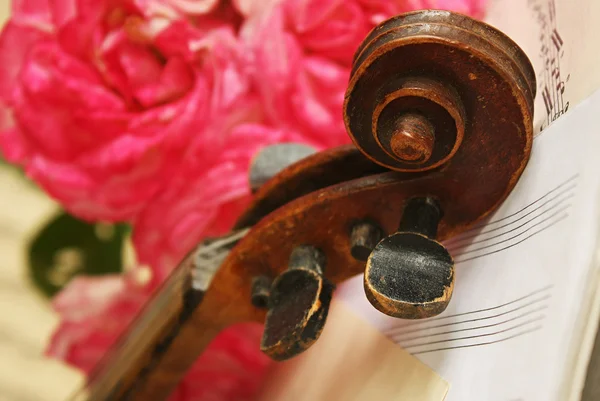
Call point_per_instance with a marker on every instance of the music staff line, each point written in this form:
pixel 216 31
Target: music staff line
pixel 560 211
pixel 502 331
pixel 551 224
pixel 501 328
pixel 480 344
pixel 485 224
pixel 561 208
pixel 514 301
pixel 486 326
pixel 554 210
pixel 543 294
pixel 466 236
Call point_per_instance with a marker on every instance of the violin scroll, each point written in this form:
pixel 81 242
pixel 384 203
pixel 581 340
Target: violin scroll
pixel 408 105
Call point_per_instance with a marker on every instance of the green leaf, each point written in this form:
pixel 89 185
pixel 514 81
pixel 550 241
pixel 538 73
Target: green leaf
pixel 67 247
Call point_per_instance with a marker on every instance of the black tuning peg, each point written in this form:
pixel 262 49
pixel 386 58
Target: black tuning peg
pixel 409 274
pixel 298 304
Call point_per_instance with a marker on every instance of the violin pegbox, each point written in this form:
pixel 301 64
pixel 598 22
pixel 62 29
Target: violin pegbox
pixel 422 93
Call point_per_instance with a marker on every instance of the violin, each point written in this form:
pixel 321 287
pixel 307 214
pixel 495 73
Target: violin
pixel 439 108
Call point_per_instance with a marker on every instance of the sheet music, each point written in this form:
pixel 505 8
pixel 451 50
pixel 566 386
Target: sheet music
pixel 525 279
pixel 552 79
pixel 560 38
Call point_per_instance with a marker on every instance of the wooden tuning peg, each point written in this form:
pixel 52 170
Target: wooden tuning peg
pixel 298 305
pixel 409 274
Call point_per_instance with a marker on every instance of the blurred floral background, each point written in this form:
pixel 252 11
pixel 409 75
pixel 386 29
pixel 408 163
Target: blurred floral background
pixel 26 317
pixel 139 119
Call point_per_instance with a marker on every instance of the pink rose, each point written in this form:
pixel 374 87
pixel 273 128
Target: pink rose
pixel 330 28
pixel 299 91
pixel 102 109
pixel 205 198
pixel 96 311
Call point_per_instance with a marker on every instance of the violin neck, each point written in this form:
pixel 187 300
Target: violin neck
pixel 148 337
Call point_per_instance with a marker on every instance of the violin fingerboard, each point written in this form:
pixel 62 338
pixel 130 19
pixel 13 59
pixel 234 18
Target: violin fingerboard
pixel 139 349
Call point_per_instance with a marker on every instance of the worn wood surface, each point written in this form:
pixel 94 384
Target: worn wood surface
pixel 26 320
pixel 462 74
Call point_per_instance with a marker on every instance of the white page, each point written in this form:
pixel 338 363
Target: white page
pixel 514 324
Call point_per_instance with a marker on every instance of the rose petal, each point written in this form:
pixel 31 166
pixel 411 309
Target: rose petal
pixel 62 11
pixel 94 311
pixel 252 8
pixel 50 81
pixel 15 42
pixel 194 7
pixel 175 80
pixel 14 145
pixel 92 292
pixel 332 28
pixel 35 14
pixel 296 94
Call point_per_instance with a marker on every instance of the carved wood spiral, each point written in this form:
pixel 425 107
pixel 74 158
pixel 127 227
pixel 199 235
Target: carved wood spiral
pixel 419 81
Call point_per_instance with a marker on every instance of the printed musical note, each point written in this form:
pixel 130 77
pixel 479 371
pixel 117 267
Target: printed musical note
pixel 552 85
pixel 547 100
pixel 556 39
